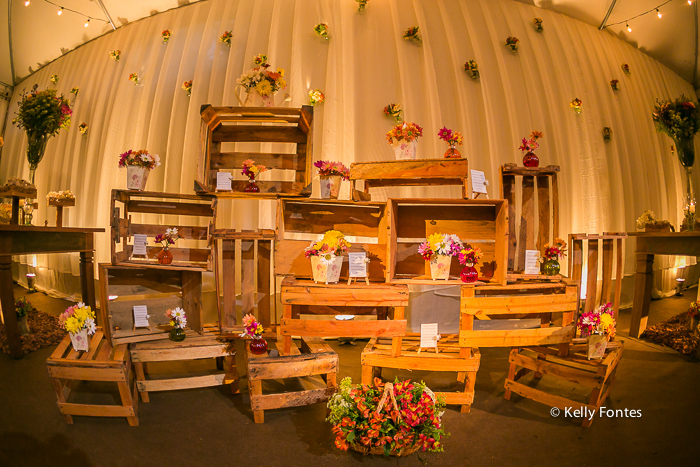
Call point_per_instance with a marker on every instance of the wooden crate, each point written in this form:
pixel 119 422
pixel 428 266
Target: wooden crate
pixel 158 289
pixel 317 363
pixel 482 223
pixel 16 195
pixel 537 224
pixel 193 249
pixel 257 291
pixel 299 222
pixel 101 362
pixel 194 347
pixel 419 172
pixel 290 132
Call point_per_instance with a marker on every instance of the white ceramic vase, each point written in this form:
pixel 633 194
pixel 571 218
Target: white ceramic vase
pixel 327 272
pixel 136 177
pixel 440 267
pixel 407 151
pixel 79 340
pixel 330 186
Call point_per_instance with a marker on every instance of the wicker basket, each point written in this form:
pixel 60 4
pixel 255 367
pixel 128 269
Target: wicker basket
pixel 366 450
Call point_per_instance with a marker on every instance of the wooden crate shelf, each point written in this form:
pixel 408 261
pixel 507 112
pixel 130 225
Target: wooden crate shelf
pixel 195 209
pixel 300 221
pixel 16 195
pixel 419 172
pixel 482 223
pixel 290 132
pixel 158 289
pixel 316 363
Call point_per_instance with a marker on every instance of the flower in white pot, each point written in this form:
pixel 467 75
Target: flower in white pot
pixel 404 139
pixel 332 175
pixel 438 250
pixel 326 257
pixel 79 321
pixel 139 164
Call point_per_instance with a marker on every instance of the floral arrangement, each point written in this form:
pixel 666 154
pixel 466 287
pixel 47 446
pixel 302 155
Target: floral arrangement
pixel 400 417
pixel 538 24
pixel 598 321
pixel 440 244
pixel 83 128
pixel 607 134
pixel 54 79
pixel 22 307
pixel 166 35
pixel 328 168
pixel 187 86
pixel 168 238
pixel 529 145
pixel 18 184
pixel 115 55
pixel 362 4
pixel 394 111
pixel 253 329
pixel 677 118
pixel 262 80
pixel 226 38
pixel 43 112
pixel 65 194
pixel 615 84
pixel 556 251
pixel 329 245
pixel 472 68
pixel 321 30
pixel 134 78
pixel 260 60
pixel 451 138
pixel 648 220
pixel 626 68
pixel 512 42
pixel 413 34
pixel 404 133
pixel 78 317
pixel 470 255
pixel 251 170
pixel 694 310
pixel 141 158
pixel 178 318
pixel 316 97
pixel 576 104
pixel 75 91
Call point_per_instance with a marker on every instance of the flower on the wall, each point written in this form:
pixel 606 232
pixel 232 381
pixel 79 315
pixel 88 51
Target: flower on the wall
pixel 260 60
pixel 54 79
pixel 187 86
pixel 394 111
pixel 115 55
pixel 75 91
pixel 166 35
pixel 321 30
pixel 607 134
pixel 512 43
pixel 538 24
pixel 362 4
pixel 134 78
pixel 316 97
pixel 83 128
pixel 626 68
pixel 577 104
pixel 226 38
pixel 615 84
pixel 472 68
pixel 413 34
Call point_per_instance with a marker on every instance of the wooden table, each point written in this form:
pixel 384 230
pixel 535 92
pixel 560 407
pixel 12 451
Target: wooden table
pixel 648 245
pixel 27 240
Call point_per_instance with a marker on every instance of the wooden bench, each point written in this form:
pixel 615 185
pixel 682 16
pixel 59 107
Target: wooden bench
pixel 101 362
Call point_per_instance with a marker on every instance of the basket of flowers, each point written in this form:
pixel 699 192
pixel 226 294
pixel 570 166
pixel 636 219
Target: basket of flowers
pixel 393 419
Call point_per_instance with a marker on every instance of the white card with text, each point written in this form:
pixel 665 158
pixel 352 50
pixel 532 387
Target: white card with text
pixel 140 241
pixel 357 264
pixel 479 182
pixel 223 181
pixel 141 316
pixel 429 335
pixel 532 265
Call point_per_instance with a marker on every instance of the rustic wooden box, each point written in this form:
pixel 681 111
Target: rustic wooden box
pixel 290 132
pixel 16 195
pixel 158 289
pixel 482 223
pixel 299 222
pixel 192 251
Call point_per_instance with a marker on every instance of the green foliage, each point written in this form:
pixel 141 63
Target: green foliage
pixel 43 113
pixel 22 307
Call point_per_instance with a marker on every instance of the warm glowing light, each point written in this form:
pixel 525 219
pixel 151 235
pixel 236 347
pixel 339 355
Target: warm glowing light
pixel 629 29
pixel 690 2
pixel 27 2
pixel 658 13
pixel 87 23
pixel 31 275
pixel 60 12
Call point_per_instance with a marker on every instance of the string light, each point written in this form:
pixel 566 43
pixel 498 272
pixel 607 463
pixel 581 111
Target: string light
pixel 87 23
pixel 60 12
pixel 629 29
pixel 27 2
pixel 655 9
pixel 690 2
pixel 658 13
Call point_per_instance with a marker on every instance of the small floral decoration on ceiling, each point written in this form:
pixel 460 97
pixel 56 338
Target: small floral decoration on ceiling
pixel 115 55
pixel 413 34
pixel 538 24
pixel 512 43
pixel 187 86
pixel 316 97
pixel 472 68
pixel 321 30
pixel 54 79
pixel 166 35
pixel 226 38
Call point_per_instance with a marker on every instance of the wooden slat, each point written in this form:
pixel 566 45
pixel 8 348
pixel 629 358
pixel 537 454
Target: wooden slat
pixel 344 295
pixel 183 231
pixel 234 160
pixel 229 282
pixel 96 410
pixel 592 278
pixel 298 327
pixel 573 375
pixel 169 208
pixel 427 360
pixel 527 222
pixel 513 169
pixel 619 275
pixel 410 169
pixel 457 398
pixel 258 134
pixel 543 217
pixel 607 271
pixel 544 398
pixel 163 355
pixel 248 276
pixel 181 383
pixel 548 303
pixel 508 193
pixel 265 289
pixel 516 337
pixel 290 399
pixel 95 372
pixel 293 366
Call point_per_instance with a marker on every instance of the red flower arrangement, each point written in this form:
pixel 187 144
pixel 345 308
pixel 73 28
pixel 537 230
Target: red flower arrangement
pixel 556 251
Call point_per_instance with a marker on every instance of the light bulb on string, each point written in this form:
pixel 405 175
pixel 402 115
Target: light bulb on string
pixel 60 12
pixel 27 2
pixel 690 2
pixel 629 29
pixel 87 23
pixel 658 13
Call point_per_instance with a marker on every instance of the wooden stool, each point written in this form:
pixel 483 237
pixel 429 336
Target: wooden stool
pixel 100 362
pixel 194 347
pixel 318 359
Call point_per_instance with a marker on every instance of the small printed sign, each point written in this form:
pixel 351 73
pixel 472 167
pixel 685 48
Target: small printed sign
pixel 429 336
pixel 357 264
pixel 532 264
pixel 140 241
pixel 223 181
pixel 479 182
pixel 141 316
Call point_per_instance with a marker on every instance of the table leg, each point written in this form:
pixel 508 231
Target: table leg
pixel 643 281
pixel 87 278
pixel 7 301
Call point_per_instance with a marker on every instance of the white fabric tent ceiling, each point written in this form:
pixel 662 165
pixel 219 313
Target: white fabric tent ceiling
pixel 39 35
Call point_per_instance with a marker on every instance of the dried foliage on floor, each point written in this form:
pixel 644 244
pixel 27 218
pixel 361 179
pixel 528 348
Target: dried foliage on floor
pixel 674 333
pixel 44 331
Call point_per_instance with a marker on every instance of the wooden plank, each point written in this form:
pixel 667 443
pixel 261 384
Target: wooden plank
pixel 543 216
pixel 258 134
pixel 290 399
pixel 358 295
pixel 619 275
pixel 544 398
pixel 292 366
pixel 183 231
pixel 508 193
pixel 265 289
pixel 298 327
pixel 164 355
pixel 516 337
pixel 513 169
pixel 315 217
pixel 606 288
pixel 544 367
pixel 555 205
pixel 169 208
pixel 575 258
pixel 410 169
pixel 234 160
pixel 457 398
pixel 549 303
pixel 181 383
pixel 425 361
pixel 96 371
pixel 96 410
pixel 527 222
pixel 248 276
pixel 229 282
pixel 592 279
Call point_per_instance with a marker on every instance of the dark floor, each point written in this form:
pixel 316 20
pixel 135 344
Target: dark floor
pixel 213 427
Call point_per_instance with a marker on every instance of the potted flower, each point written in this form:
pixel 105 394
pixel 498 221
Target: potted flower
pixel 615 84
pixel 529 145
pixel 413 34
pixel 362 4
pixel 512 43
pixel 187 86
pixel 166 35
pixel 253 330
pixel 472 68
pixel 83 128
pixel 326 258
pixel 394 111
pixel 251 171
pixel 694 315
pixel 648 222
pixel 321 30
pixel 22 307
pixel 316 97
pixel 626 68
pixel 226 38
pixel 404 139
pixel 469 257
pixel 438 250
pixel 115 55
pixel 165 256
pixel 598 326
pixel 178 320
pixel 134 78
pixel 391 419
pixel 552 255
pixel 262 81
pixel 79 321
pixel 607 134
pixel 452 139
pixel 538 24
pixel 577 105
pixel 138 165
pixel 332 175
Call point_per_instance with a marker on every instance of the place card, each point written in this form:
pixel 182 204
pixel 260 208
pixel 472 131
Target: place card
pixel 532 264
pixel 429 336
pixel 223 181
pixel 357 264
pixel 479 182
pixel 141 316
pixel 140 241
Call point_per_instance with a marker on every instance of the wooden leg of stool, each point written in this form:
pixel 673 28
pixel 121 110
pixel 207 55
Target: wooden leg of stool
pixel 256 390
pixel 58 387
pixel 470 382
pixel 141 376
pixel 219 363
pixel 331 380
pixel 367 374
pixel 511 371
pixel 537 374
pixel 461 376
pixel 128 401
pixel 232 376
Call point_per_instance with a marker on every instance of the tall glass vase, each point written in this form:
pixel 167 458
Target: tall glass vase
pixel 36 146
pixel 685 148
